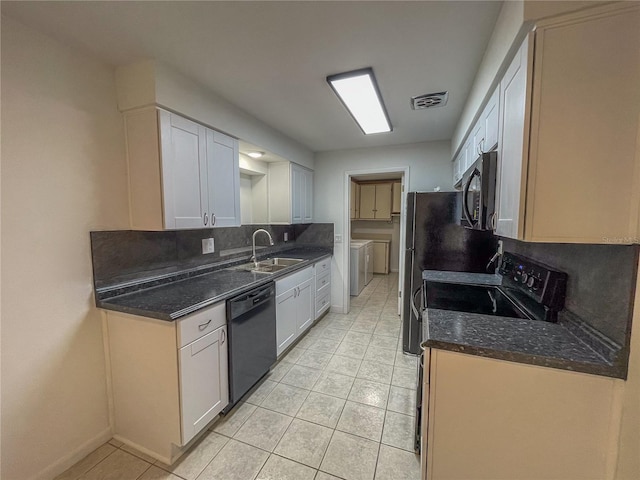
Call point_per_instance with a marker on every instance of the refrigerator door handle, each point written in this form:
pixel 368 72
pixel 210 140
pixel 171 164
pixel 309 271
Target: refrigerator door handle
pixel 413 304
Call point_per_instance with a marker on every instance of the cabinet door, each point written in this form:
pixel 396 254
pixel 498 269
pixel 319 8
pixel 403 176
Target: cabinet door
pixel 478 140
pixel 352 198
pixel 585 142
pixel 223 180
pixel 184 172
pixel 305 300
pixel 469 155
pixel 297 195
pixel 396 204
pixel 513 96
pixel 380 257
pixel 308 197
pixel 455 168
pixel 367 201
pixel 204 389
pixel 490 116
pixel 383 201
pixel 286 319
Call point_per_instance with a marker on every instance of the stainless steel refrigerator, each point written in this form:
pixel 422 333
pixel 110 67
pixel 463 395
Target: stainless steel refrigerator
pixel 435 240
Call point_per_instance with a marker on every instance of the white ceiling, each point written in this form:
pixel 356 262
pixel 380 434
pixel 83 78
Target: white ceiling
pixel 271 58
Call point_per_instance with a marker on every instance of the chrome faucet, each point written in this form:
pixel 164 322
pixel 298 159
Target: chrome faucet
pixel 253 257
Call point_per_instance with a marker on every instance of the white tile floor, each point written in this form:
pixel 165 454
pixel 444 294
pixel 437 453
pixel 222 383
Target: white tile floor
pixel 339 405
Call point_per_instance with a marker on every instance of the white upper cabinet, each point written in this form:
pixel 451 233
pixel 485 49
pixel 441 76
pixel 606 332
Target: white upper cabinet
pixel 223 180
pixel 512 151
pixel 290 193
pixel 568 155
pixel 477 141
pixel 184 171
pixel 181 174
pixel 482 138
pixel 490 121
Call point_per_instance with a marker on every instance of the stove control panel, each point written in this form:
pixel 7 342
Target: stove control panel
pixel 539 282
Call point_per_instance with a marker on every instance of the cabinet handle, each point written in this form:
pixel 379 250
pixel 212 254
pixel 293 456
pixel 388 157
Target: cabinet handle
pixel 203 326
pixel 295 292
pixel 224 336
pixel 481 147
pixel 206 218
pixel 494 218
pixel 213 219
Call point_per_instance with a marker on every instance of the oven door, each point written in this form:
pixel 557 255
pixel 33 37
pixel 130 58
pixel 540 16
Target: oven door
pixel 478 196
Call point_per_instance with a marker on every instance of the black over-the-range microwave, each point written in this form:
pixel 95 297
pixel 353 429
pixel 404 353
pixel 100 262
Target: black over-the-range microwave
pixel 479 193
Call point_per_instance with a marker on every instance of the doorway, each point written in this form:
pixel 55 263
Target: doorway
pixel 363 226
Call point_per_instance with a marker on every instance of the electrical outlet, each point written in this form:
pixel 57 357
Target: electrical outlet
pixel 500 247
pixel 208 246
pixel 286 236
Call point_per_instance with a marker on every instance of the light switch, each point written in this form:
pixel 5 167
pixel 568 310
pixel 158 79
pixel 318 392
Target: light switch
pixel 208 246
pixel 338 238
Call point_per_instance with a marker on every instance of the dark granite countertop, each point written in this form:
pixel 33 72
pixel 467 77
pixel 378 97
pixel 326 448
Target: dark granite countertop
pixel 523 341
pixel 186 293
pixel 464 278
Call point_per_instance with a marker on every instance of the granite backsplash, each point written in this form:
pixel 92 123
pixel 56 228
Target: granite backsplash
pixel 125 255
pixel 601 284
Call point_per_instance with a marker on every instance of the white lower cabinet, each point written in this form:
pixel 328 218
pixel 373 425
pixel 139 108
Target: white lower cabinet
pixel 168 380
pixel 204 385
pixel 294 307
pixel 322 275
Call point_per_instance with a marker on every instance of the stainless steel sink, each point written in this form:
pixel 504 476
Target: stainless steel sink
pixel 284 262
pixel 270 265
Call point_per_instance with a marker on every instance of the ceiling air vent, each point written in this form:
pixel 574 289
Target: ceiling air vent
pixel 429 100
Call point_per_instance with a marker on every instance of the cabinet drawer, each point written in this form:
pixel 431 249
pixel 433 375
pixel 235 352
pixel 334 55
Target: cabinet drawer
pixel 323 266
pixel 323 290
pixel 323 303
pixel 293 280
pixel 194 326
pixel 323 281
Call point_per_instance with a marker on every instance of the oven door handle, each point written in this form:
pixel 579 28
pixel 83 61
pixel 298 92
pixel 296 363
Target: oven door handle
pixel 465 197
pixel 413 304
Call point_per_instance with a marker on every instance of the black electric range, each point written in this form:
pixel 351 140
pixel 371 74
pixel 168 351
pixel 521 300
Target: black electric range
pixel 529 290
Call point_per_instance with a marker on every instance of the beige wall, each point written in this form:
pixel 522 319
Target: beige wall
pixel 63 174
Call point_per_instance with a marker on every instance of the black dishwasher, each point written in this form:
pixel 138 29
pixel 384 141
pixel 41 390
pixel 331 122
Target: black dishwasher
pixel 251 319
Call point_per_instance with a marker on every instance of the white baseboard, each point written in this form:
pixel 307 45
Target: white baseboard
pixel 336 309
pixel 73 457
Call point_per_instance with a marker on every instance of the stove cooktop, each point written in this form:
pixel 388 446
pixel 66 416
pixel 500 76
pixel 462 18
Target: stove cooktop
pixel 471 299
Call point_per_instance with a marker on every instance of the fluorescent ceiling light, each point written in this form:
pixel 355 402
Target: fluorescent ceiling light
pixel 255 154
pixel 359 92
